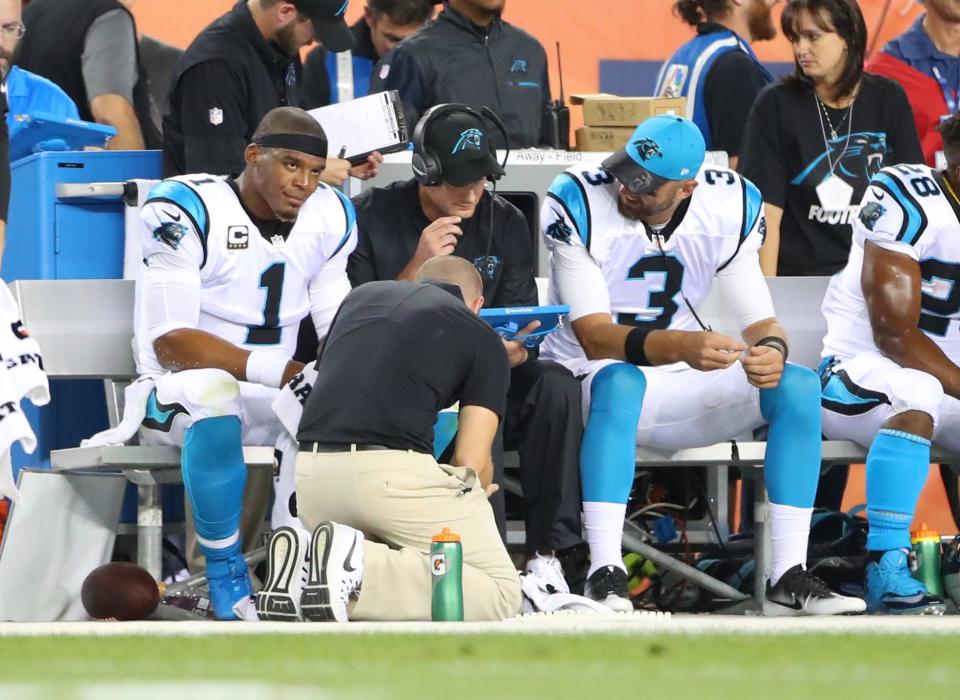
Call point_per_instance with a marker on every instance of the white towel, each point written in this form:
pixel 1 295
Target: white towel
pixel 13 428
pixel 21 355
pixel 288 406
pixel 540 596
pixel 134 409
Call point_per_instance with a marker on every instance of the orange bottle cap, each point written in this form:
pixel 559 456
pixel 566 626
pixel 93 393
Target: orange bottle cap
pixel 924 533
pixel 446 536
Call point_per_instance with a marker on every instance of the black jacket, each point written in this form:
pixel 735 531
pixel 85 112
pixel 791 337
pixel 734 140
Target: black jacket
pixel 224 84
pixel 454 60
pixel 54 45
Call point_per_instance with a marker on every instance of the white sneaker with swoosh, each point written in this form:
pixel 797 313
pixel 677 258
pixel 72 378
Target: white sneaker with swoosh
pixel 335 572
pixel 279 601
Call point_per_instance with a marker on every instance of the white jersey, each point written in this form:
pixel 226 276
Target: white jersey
pixel 602 262
pixel 207 266
pixel 907 209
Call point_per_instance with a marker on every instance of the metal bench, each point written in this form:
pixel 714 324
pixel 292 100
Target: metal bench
pixel 85 330
pixel 797 301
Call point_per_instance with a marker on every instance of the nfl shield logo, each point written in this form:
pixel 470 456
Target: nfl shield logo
pixel 216 116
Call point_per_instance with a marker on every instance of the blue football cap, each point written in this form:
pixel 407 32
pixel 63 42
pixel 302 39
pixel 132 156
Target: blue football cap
pixel 661 149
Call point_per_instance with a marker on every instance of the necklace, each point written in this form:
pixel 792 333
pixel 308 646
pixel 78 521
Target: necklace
pixel 833 131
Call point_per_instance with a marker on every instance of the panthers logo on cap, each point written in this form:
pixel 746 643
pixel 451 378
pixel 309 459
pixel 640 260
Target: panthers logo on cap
pixel 171 233
pixel 469 141
pixel 647 148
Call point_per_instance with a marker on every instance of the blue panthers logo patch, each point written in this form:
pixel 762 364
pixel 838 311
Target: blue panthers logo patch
pixel 519 66
pixel 487 266
pixel 871 213
pixel 559 231
pixel 171 233
pixel 469 141
pixel 647 148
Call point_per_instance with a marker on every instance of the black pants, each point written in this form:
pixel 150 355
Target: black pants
pixel 544 424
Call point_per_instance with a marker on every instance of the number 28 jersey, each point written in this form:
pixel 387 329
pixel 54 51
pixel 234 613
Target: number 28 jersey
pixel 908 209
pixel 603 262
pixel 207 266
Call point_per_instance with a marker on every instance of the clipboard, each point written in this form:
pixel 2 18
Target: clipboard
pixel 364 125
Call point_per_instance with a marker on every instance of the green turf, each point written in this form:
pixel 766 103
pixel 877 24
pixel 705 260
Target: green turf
pixel 490 666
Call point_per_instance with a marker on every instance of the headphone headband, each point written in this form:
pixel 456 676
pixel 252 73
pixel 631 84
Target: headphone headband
pixel 426 166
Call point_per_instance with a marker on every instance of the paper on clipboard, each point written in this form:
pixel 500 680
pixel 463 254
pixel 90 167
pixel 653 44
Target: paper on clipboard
pixel 364 125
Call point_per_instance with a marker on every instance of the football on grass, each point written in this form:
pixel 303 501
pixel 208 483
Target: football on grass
pixel 120 591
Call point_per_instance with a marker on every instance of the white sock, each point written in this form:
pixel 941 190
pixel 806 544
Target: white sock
pixel 603 523
pixel 789 532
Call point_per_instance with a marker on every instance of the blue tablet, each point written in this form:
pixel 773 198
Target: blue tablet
pixel 509 322
pixel 40 131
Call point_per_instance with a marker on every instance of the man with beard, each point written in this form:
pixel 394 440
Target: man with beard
pixel 240 67
pixel 635 247
pixel 717 71
pixel 925 60
pixel 89 48
pixel 26 92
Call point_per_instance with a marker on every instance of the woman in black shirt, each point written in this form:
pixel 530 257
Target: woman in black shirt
pixel 813 141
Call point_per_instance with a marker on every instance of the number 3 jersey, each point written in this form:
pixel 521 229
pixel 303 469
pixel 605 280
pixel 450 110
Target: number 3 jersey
pixel 908 209
pixel 208 266
pixel 604 262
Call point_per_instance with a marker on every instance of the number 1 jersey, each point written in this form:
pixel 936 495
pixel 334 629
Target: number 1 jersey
pixel 604 262
pixel 908 209
pixel 253 292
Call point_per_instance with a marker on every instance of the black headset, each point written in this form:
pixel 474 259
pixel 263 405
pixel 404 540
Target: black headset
pixel 427 168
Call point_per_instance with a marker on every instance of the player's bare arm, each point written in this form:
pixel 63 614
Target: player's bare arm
pixel 601 339
pixel 190 348
pixel 891 288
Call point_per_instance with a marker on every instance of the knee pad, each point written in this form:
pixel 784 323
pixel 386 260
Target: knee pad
pixel 204 393
pixel 913 390
pixel 618 387
pixel 608 453
pixel 797 393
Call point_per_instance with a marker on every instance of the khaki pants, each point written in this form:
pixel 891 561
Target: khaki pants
pixel 402 499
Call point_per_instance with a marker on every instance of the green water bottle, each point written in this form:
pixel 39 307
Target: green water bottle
pixel 446 568
pixel 926 545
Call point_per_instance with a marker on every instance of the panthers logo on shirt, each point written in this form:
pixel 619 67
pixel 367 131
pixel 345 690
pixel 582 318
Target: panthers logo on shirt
pixel 871 213
pixel 559 231
pixel 171 233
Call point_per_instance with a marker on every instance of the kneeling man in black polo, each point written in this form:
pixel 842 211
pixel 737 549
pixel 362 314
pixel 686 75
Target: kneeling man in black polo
pixel 396 354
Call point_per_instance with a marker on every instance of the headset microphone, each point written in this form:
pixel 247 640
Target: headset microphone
pixel 494 117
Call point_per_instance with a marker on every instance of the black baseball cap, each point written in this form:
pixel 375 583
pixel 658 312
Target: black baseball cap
pixel 328 22
pixel 459 141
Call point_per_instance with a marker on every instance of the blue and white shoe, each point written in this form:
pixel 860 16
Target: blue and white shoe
pixel 229 583
pixel 892 590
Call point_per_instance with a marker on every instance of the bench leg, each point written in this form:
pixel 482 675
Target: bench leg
pixel 149 529
pixel 761 545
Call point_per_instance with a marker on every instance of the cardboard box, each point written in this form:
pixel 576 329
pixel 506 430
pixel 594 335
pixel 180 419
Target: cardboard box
pixel 609 110
pixel 602 138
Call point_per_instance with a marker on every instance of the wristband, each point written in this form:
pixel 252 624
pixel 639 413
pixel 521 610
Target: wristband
pixel 775 342
pixel 633 346
pixel 265 367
